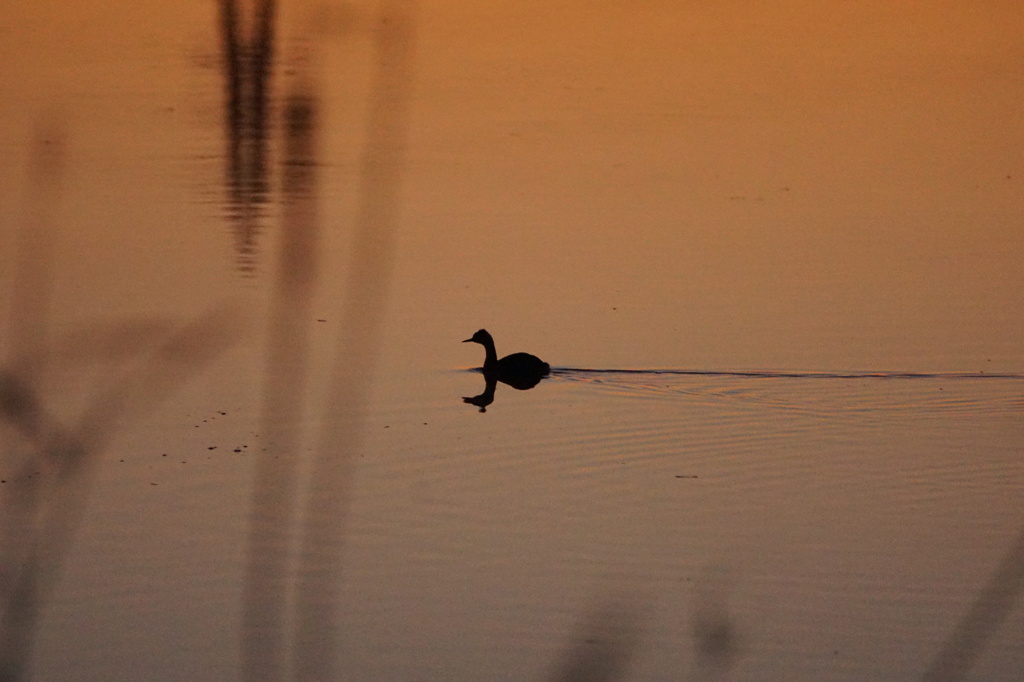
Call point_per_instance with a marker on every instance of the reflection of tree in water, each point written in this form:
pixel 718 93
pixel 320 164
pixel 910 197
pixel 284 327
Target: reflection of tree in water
pixel 603 648
pixel 248 45
pixel 291 610
pixel 48 458
pixel 265 608
pixel 51 458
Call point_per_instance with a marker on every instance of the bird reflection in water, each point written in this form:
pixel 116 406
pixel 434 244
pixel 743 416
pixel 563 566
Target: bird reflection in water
pixel 519 370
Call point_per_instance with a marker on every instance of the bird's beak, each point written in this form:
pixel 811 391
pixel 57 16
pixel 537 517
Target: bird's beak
pixel 467 340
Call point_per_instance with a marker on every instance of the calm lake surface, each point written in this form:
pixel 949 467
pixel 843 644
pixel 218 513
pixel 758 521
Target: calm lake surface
pixel 773 254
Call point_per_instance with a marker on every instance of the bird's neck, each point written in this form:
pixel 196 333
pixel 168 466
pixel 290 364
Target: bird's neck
pixel 492 355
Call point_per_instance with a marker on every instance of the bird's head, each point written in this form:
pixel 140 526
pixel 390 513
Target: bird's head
pixel 480 337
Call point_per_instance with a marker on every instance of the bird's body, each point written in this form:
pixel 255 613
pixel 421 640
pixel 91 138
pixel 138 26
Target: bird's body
pixel 519 370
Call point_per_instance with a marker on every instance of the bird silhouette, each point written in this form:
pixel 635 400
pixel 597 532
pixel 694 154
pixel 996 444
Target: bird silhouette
pixel 519 370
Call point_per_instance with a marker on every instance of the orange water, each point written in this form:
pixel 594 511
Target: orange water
pixel 800 190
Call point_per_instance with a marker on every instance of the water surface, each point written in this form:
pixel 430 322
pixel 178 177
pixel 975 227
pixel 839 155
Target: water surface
pixel 773 256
